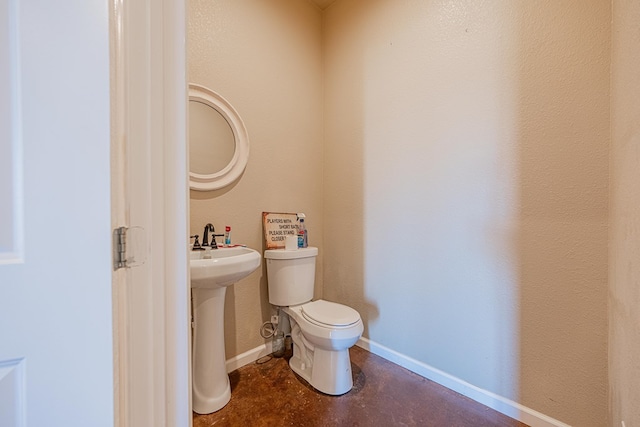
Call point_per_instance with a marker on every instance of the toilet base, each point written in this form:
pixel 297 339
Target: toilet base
pixel 328 372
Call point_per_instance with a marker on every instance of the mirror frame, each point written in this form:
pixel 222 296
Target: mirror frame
pixel 235 168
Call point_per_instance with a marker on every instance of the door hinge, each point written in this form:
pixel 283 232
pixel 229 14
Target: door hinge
pixel 119 248
pixel 129 247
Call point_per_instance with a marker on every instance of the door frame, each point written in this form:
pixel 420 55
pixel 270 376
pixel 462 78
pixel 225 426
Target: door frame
pixel 164 60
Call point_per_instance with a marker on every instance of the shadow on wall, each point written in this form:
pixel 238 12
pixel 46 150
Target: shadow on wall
pixel 465 191
pixel 344 153
pixel 413 177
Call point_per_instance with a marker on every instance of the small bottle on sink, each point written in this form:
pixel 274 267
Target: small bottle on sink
pixel 227 235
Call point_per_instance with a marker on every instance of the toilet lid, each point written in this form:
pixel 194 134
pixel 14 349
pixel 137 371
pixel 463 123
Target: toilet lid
pixel 330 313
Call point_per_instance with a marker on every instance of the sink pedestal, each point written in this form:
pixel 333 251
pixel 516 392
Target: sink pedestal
pixel 211 388
pixel 211 273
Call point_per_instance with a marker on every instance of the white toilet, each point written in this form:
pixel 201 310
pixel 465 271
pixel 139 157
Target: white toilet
pixel 322 331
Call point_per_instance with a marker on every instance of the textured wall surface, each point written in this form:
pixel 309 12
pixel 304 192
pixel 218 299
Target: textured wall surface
pixel 624 272
pixel 466 175
pixel 457 177
pixel 265 59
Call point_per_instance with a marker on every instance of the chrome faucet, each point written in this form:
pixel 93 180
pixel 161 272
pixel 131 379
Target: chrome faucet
pixel 205 236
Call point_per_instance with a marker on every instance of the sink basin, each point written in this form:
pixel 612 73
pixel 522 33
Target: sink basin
pixel 212 271
pixel 224 267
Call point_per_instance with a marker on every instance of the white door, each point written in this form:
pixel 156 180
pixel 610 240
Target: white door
pixel 56 347
pixel 75 351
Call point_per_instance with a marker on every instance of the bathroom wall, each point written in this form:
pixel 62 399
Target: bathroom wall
pixel 466 190
pixel 265 59
pixel 624 254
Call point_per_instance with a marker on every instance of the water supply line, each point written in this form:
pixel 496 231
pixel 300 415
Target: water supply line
pixel 269 328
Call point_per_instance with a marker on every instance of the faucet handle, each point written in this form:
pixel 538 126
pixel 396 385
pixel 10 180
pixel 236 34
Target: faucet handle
pixel 214 244
pixel 196 244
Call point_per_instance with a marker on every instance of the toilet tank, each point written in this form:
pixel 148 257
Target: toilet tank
pixel 291 275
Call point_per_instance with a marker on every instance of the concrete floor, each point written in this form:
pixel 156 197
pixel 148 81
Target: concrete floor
pixel 383 394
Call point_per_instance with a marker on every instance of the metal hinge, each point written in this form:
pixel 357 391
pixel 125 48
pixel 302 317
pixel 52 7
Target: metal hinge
pixel 128 247
pixel 119 248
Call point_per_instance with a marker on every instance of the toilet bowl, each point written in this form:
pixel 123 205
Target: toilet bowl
pixel 322 331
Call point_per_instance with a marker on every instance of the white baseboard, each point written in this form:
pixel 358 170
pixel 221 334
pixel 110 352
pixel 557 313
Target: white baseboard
pixel 487 398
pixel 248 357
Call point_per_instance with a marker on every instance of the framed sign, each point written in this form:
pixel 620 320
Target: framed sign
pixel 277 226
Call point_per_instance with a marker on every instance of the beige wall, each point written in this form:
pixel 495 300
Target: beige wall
pixel 466 172
pixel 457 176
pixel 624 255
pixel 265 59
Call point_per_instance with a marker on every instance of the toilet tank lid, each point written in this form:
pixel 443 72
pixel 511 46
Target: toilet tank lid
pixel 294 254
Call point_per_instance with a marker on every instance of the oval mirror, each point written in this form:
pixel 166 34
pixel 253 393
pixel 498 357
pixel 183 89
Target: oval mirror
pixel 218 140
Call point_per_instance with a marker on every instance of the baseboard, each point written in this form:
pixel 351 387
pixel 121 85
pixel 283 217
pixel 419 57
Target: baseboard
pixel 248 357
pixel 487 398
pixel 503 405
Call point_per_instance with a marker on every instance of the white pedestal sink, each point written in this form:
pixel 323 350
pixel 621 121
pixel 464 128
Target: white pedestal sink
pixel 209 280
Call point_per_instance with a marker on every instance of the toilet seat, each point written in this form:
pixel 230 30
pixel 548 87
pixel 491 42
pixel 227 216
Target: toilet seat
pixel 328 325
pixel 327 333
pixel 329 314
